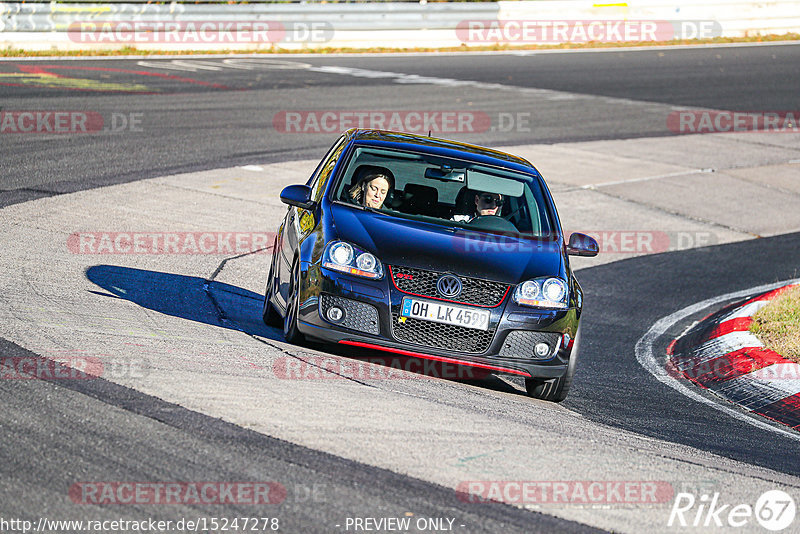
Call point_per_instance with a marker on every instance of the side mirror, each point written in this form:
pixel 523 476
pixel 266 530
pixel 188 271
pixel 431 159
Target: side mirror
pixel 298 196
pixel 582 245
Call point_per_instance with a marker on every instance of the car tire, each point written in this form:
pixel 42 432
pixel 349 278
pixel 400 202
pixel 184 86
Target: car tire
pixel 290 330
pixel 554 389
pixel 270 314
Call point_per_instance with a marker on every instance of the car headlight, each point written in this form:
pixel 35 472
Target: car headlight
pixel 542 293
pixel 341 253
pixel 346 258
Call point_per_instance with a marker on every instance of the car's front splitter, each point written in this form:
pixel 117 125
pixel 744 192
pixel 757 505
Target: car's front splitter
pixel 519 368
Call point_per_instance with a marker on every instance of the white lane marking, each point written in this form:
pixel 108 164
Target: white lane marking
pixel 233 64
pixel 194 65
pixel 542 94
pixel 648 178
pixel 177 64
pixel 254 168
pixel 647 359
pixel 268 64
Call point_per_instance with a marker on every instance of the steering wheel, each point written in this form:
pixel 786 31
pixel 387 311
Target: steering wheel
pixel 493 222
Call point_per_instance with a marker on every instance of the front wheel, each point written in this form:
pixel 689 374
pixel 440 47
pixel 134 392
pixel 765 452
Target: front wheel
pixel 549 389
pixel 554 389
pixel 269 314
pixel 290 331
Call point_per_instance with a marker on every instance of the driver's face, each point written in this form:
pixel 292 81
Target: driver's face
pixel 488 203
pixel 375 192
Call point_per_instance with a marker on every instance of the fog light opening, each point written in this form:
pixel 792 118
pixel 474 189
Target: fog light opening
pixel 335 314
pixel 541 349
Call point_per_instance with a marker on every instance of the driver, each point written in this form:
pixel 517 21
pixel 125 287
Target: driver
pixel 485 204
pixel 372 189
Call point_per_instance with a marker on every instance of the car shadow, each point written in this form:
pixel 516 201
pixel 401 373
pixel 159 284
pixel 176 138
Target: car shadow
pixel 184 296
pixel 219 304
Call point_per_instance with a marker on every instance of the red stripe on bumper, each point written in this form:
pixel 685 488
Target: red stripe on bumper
pixel 432 357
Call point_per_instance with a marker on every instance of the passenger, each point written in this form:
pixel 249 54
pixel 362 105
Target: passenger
pixel 372 189
pixel 485 204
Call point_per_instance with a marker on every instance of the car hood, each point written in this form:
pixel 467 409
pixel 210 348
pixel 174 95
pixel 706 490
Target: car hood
pixel 397 241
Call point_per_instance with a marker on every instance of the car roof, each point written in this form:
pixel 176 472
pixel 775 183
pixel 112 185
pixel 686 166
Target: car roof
pixel 441 147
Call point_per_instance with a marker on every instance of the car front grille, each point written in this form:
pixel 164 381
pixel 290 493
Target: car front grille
pixel 474 291
pixel 441 336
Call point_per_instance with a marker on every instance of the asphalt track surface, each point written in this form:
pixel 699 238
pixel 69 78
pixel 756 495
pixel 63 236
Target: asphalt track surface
pixel 96 430
pixel 199 119
pixel 49 427
pixel 625 298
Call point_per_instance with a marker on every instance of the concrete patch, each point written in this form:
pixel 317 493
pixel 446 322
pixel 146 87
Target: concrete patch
pixel 719 200
pixel 154 310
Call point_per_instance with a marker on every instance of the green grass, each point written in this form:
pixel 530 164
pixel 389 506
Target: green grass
pixel 777 324
pixel 132 51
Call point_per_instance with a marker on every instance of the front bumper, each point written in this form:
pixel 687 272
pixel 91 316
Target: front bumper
pixel 374 307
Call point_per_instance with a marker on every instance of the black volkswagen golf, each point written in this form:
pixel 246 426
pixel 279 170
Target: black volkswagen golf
pixel 431 249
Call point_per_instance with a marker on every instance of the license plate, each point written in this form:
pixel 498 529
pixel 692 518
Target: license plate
pixel 445 313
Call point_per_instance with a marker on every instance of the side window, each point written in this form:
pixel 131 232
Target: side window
pixel 325 168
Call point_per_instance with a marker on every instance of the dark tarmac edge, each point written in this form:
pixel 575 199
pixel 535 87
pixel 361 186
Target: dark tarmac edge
pixel 656 286
pixel 369 491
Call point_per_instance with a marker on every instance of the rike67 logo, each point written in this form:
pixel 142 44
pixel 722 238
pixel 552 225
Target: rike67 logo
pixel 774 510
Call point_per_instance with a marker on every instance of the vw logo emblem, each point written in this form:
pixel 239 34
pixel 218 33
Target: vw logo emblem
pixel 449 286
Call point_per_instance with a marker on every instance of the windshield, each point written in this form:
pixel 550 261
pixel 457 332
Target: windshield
pixel 446 191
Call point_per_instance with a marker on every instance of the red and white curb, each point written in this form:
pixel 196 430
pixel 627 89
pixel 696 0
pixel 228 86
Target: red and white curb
pixel 721 355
